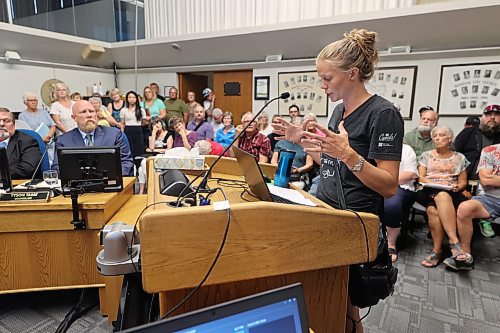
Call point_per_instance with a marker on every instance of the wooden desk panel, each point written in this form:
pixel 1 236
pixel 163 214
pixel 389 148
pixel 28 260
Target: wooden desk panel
pixel 39 248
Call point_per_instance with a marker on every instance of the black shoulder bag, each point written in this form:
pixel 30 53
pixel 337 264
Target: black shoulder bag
pixel 371 281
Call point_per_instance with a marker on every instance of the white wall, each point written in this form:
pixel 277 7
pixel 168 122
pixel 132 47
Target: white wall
pixel 426 90
pixel 126 81
pixel 18 78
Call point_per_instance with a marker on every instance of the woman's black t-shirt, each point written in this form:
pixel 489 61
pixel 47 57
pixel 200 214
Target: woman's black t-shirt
pixel 375 131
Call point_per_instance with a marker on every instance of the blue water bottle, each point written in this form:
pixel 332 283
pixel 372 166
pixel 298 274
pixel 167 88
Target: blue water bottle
pixel 284 170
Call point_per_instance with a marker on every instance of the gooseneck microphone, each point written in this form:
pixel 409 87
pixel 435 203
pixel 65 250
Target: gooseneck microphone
pixel 204 181
pixel 47 145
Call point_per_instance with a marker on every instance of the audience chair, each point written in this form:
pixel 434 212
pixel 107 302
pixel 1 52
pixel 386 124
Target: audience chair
pixel 45 165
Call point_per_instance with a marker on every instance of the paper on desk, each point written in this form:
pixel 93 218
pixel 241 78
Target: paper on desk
pixel 437 186
pixel 40 186
pixel 290 194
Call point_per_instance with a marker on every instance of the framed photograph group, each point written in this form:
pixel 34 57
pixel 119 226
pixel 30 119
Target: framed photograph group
pixel 396 84
pixel 466 89
pixel 305 92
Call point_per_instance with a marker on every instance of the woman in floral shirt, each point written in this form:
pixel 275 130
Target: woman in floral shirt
pixel 443 175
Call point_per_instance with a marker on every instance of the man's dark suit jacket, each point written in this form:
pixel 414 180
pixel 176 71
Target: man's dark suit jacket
pixel 24 154
pixel 103 136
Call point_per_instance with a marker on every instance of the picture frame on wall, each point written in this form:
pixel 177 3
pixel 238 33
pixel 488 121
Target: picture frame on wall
pixel 261 88
pixel 397 85
pixel 466 89
pixel 166 90
pixel 305 92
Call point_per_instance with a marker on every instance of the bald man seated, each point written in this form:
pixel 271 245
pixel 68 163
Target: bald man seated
pixel 88 133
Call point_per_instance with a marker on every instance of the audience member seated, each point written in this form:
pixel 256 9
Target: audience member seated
pixel 225 135
pixel 23 151
pixel 104 118
pixel 309 126
pixel 470 141
pixel 486 205
pixel 419 138
pixel 116 105
pixel 182 137
pixel 159 136
pixel 276 119
pixel 293 112
pixel 209 147
pixel 88 133
pixel 396 206
pixel 217 123
pixel 199 125
pixel 252 141
pixel 60 110
pixel 152 105
pixel 438 167
pixel 301 164
pixel 263 124
pixel 35 117
pixel 175 107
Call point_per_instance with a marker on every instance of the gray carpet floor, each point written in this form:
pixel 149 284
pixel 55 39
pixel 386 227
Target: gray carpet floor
pixel 425 299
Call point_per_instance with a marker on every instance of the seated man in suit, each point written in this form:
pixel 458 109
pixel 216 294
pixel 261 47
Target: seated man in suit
pixel 23 150
pixel 89 134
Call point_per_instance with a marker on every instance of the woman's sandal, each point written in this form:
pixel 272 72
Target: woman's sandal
pixel 394 254
pixel 432 260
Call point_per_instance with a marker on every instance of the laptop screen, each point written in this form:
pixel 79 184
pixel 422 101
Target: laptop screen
pixel 253 174
pixel 280 310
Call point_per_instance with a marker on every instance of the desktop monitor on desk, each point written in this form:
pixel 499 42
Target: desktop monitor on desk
pixel 92 169
pixel 280 310
pixel 5 180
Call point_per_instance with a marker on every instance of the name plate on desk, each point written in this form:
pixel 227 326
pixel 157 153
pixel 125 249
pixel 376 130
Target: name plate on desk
pixel 27 197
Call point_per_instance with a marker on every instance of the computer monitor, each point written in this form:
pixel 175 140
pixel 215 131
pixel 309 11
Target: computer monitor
pixel 280 310
pixel 93 169
pixel 5 180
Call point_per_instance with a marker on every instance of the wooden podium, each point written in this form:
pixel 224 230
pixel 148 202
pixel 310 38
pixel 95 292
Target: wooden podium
pixel 268 245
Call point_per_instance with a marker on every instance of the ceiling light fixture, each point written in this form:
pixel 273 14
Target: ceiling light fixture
pixel 12 55
pixel 404 49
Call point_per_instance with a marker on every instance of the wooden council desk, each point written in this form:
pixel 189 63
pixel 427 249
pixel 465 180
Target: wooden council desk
pixel 39 248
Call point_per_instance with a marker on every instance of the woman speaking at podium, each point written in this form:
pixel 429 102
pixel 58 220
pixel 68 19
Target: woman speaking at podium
pixel 363 137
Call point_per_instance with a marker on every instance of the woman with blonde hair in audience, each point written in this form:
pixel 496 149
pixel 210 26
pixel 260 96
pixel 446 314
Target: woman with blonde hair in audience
pixel 60 110
pixel 443 174
pixel 76 96
pixel 116 105
pixel 182 137
pixel 152 105
pixel 225 135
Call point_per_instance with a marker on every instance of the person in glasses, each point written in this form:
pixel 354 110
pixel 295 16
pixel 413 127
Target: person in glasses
pixel 252 141
pixel 23 150
pixel 419 138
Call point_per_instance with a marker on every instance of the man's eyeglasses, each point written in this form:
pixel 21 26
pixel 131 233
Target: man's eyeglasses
pixel 31 100
pixel 6 121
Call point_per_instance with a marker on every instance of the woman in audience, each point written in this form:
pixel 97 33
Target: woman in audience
pixel 104 118
pixel 116 105
pixel 225 135
pixel 60 110
pixel 182 137
pixel 159 136
pixel 153 105
pixel 263 124
pixel 443 174
pixel 206 147
pixel 396 206
pixel 301 164
pixel 132 118
pixel 76 96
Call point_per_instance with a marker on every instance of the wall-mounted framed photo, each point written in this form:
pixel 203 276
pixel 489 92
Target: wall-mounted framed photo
pixel 466 89
pixel 305 92
pixel 261 88
pixel 166 90
pixel 397 85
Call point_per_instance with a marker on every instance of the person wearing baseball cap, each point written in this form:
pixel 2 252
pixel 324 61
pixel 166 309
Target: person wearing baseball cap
pixel 472 121
pixel 470 141
pixel 419 138
pixel 208 103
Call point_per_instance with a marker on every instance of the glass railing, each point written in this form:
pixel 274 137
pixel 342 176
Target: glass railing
pixel 105 20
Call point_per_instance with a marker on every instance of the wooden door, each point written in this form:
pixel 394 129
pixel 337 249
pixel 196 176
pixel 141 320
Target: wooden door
pixel 238 105
pixel 192 82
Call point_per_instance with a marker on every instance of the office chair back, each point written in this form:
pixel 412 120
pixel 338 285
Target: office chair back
pixel 45 161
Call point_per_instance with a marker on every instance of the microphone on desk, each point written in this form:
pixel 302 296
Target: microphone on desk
pixel 29 184
pixel 204 181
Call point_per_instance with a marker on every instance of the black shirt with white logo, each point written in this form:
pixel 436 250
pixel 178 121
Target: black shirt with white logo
pixel 375 131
